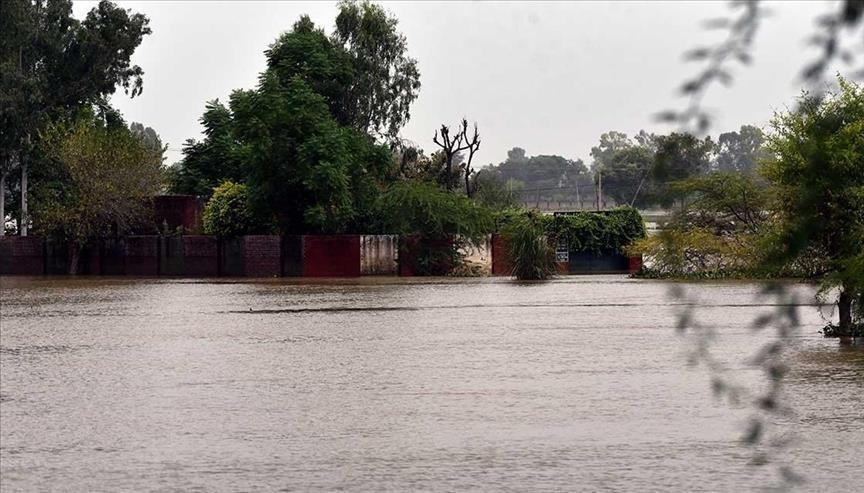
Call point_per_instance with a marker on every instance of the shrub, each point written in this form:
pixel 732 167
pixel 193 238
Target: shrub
pixel 227 213
pixel 530 255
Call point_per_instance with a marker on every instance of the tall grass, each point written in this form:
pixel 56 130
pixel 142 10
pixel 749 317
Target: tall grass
pixel 530 253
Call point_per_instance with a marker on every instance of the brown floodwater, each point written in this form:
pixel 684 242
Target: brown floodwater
pixel 383 384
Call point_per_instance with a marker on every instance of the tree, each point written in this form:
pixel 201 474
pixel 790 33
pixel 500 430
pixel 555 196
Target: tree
pixel 228 212
pixel 740 151
pixel 679 156
pixel 610 143
pixel 218 158
pixel 718 233
pixel 451 146
pixel 625 173
pixel 311 173
pixel 110 175
pixel 441 222
pixel 549 176
pixel 818 172
pixel 490 190
pixel 385 80
pixel 625 166
pixel 149 136
pixel 308 169
pixel 51 66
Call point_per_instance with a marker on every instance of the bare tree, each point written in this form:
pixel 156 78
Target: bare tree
pixel 473 145
pixel 450 146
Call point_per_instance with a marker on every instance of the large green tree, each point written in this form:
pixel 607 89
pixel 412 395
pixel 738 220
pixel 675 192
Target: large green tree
pixel 679 156
pixel 109 174
pixel 51 66
pixel 385 79
pixel 740 151
pixel 819 176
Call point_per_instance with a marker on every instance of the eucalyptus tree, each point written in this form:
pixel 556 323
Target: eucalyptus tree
pixel 52 65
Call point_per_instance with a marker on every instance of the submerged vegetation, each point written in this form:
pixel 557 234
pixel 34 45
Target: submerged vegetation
pixel 529 249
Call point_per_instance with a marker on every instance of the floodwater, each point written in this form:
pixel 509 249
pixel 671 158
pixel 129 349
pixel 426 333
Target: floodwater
pixel 580 384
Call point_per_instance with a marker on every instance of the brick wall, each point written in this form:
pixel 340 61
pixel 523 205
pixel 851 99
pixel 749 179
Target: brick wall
pixel 173 211
pixel 292 256
pixel 500 263
pixel 22 255
pixel 331 256
pixel 262 256
pixel 200 256
pixel 171 258
pixel 142 256
pixel 634 264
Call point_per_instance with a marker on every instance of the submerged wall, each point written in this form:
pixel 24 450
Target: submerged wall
pixel 274 256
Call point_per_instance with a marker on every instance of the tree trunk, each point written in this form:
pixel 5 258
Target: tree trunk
pixel 74 257
pixel 844 305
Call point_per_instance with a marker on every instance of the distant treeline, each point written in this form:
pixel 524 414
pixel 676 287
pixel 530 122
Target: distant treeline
pixel 634 170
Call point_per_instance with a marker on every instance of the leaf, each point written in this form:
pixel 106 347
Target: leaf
pixel 666 116
pixel 697 54
pixel 717 23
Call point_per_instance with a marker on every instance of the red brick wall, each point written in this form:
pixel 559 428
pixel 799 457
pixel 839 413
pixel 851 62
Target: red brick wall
pixel 562 267
pixel 262 256
pixel 331 256
pixel 500 263
pixel 178 210
pixel 634 264
pixel 200 256
pixel 142 255
pixel 21 255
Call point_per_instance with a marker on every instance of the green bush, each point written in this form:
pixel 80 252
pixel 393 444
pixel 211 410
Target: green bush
pixel 530 255
pixel 227 213
pixel 599 232
pixel 435 224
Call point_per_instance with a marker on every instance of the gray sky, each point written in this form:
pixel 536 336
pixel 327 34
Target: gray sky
pixel 548 77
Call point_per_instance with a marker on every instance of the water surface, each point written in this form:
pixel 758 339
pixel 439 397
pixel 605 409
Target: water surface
pixel 399 385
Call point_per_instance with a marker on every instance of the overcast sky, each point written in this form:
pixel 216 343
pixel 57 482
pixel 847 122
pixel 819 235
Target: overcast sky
pixel 548 77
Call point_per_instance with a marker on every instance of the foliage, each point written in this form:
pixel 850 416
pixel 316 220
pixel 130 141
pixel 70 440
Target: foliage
pixel 679 156
pixel 549 177
pixel 385 79
pixel 437 225
pixel 622 166
pixel 217 158
pixel 289 141
pixel 491 191
pixel 228 212
pixel 725 203
pixel 599 232
pixel 53 65
pixel 529 252
pixel 110 174
pixel 719 232
pixel 741 151
pixel 697 252
pixel 425 209
pixel 818 174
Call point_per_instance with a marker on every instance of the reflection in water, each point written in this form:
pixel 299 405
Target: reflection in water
pixel 392 384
